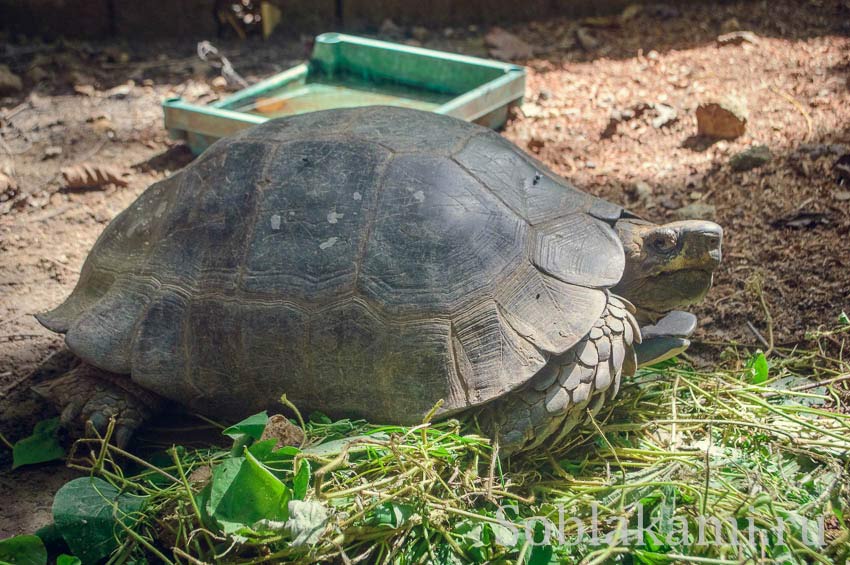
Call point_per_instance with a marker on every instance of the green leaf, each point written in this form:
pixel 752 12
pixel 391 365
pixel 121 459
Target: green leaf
pixel 252 426
pixel 83 510
pixel 262 450
pixel 540 555
pixel 23 550
pixel 391 514
pixel 41 446
pixel 650 557
pixel 319 418
pixel 843 319
pixel 307 521
pixel 758 368
pixel 301 482
pixel 245 492
pixel 68 560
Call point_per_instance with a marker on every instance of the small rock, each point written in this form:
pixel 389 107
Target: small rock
pixel 730 25
pixel 84 89
pixel 751 158
pixel 696 211
pixel 8 187
pixel 666 115
pixel 737 38
pixel 505 45
pixel 119 92
pixel 669 203
pixel 10 83
pixel 115 55
pixel 52 151
pixel 725 119
pixel 419 33
pixel 802 219
pixel 841 195
pixel 200 475
pixel 630 12
pixel 219 84
pixel 101 123
pixel 662 11
pixel 36 74
pixel 281 429
pixel 531 110
pixel 841 167
pixel 642 191
pixel 79 79
pixel 586 39
pixel 602 21
pixel 817 150
pixel 390 29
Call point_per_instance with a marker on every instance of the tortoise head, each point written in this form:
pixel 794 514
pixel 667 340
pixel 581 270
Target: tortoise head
pixel 668 266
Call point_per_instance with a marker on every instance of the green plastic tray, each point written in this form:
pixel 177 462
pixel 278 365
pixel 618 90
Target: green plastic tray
pixel 346 71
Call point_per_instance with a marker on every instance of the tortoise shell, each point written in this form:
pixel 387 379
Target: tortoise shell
pixel 366 262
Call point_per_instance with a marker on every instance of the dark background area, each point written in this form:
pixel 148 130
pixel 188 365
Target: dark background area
pixel 199 18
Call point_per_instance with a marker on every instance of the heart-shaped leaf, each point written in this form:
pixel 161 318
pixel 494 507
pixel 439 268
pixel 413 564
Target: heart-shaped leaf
pixel 86 511
pixel 23 550
pixel 42 446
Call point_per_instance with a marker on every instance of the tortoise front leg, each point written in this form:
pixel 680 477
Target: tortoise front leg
pixel 88 397
pixel 558 398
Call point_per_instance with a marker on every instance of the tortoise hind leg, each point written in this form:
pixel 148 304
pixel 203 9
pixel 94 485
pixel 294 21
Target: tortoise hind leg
pixel 88 396
pixel 558 397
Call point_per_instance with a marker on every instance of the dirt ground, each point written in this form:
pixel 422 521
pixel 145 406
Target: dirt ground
pixel 786 222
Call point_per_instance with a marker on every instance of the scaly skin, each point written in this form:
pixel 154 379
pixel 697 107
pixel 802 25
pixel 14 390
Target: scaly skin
pixel 558 397
pixel 88 396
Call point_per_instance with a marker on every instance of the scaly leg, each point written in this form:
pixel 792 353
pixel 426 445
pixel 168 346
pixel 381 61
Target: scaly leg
pixel 558 397
pixel 88 396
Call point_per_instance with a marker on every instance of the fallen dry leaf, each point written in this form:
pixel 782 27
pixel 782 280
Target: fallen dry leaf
pixel 87 175
pixel 505 45
pixel 269 105
pixel 281 429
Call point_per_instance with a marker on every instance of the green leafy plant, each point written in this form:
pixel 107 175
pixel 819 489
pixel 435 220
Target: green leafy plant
pixel 741 462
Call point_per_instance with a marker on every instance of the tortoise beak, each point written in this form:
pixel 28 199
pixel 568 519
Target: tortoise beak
pixel 701 242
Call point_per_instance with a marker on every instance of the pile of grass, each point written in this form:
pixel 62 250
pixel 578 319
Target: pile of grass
pixel 755 451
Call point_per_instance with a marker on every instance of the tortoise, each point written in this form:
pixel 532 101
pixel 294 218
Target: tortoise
pixel 374 262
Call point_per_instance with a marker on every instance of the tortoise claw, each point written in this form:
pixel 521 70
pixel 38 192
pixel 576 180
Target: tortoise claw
pixel 89 398
pixel 122 435
pixel 70 413
pixel 98 422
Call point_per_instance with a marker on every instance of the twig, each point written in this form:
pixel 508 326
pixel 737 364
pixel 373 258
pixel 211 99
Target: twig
pixel 5 441
pixel 20 337
pixel 180 553
pixel 491 472
pixel 758 335
pixel 799 107
pixel 288 403
pixel 16 110
pixel 756 283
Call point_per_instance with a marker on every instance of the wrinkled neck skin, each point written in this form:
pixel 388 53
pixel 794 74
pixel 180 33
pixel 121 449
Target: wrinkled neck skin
pixel 669 266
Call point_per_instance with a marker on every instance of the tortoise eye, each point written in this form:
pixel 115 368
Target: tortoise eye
pixel 663 241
